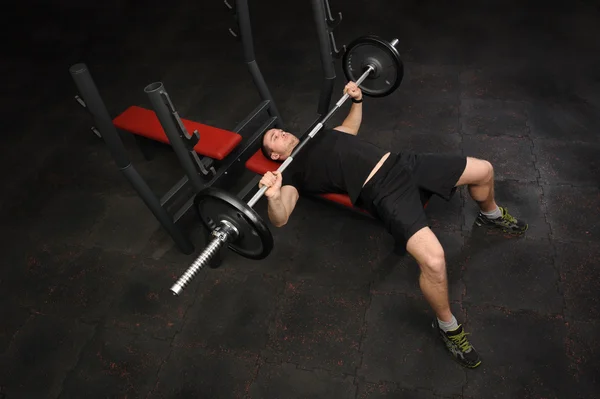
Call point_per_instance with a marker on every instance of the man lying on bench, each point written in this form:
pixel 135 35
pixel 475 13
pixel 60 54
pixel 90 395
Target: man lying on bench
pixel 390 186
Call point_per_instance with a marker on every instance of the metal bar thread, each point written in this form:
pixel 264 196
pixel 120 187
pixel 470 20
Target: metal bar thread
pixel 209 252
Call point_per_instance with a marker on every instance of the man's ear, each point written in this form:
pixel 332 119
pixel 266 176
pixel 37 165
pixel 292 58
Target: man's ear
pixel 274 156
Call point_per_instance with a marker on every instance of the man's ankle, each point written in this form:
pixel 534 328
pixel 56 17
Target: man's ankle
pixel 493 214
pixel 448 325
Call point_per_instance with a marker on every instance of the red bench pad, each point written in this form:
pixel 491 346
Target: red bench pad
pixel 257 163
pixel 214 142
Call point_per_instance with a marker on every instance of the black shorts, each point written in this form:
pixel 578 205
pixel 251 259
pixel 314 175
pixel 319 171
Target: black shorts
pixel 404 183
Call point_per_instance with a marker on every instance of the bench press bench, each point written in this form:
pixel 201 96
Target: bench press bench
pixel 214 142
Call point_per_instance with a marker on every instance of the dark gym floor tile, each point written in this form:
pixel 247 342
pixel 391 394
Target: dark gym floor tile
pixel 488 83
pixel 231 312
pixel 126 227
pixel 17 249
pixel 580 278
pixel 388 390
pixel 518 82
pixel 344 259
pixel 69 217
pixel 283 257
pixel 428 118
pixel 194 372
pixel 318 327
pixel 583 348
pixel 333 264
pixel 429 82
pixel 313 222
pixel 514 274
pixel 145 305
pixel 572 212
pixel 493 117
pixel 86 285
pixel 34 273
pixel 400 274
pixel 90 170
pixel 161 246
pixel 401 346
pixel 566 121
pixel 511 157
pixel 415 141
pixel 116 363
pixel 14 318
pixel 381 112
pixel 446 215
pixel 562 162
pixel 374 241
pixel 524 201
pixel 539 358
pixel 41 355
pixel 288 381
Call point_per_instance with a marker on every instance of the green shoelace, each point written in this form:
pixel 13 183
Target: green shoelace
pixel 461 341
pixel 506 216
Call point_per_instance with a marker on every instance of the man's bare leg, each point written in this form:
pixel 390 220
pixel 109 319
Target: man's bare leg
pixel 429 254
pixel 479 177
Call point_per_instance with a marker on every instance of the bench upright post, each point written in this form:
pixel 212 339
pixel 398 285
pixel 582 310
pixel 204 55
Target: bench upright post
pixel 93 102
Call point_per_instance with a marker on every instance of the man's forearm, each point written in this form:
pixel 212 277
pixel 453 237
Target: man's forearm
pixel 354 118
pixel 278 214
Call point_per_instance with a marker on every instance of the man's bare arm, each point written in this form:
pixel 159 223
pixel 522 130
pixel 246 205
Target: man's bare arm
pixel 282 204
pixel 351 124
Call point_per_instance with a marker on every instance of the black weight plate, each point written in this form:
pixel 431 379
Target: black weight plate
pixel 374 50
pixel 254 241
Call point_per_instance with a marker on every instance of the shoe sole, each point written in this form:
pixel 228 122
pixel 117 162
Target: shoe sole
pixel 496 227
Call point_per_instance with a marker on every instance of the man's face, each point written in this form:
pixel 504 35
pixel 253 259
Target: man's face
pixel 279 143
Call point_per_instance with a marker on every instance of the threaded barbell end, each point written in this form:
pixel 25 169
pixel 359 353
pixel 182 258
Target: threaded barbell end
pixel 209 252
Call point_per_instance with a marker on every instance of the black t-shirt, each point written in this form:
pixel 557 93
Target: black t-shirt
pixel 333 162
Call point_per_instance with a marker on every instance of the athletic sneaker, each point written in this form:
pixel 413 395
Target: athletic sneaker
pixel 457 343
pixel 506 222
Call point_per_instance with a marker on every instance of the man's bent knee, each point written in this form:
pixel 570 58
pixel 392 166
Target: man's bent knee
pixel 489 171
pixel 477 171
pixel 433 265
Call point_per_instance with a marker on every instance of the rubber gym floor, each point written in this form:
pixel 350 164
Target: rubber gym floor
pixel 335 311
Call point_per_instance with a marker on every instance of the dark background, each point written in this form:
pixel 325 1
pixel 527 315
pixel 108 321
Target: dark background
pixel 334 311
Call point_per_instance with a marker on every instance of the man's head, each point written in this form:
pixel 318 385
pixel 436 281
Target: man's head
pixel 278 144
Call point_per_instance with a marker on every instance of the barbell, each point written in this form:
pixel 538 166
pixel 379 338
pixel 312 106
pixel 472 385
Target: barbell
pixel 376 67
